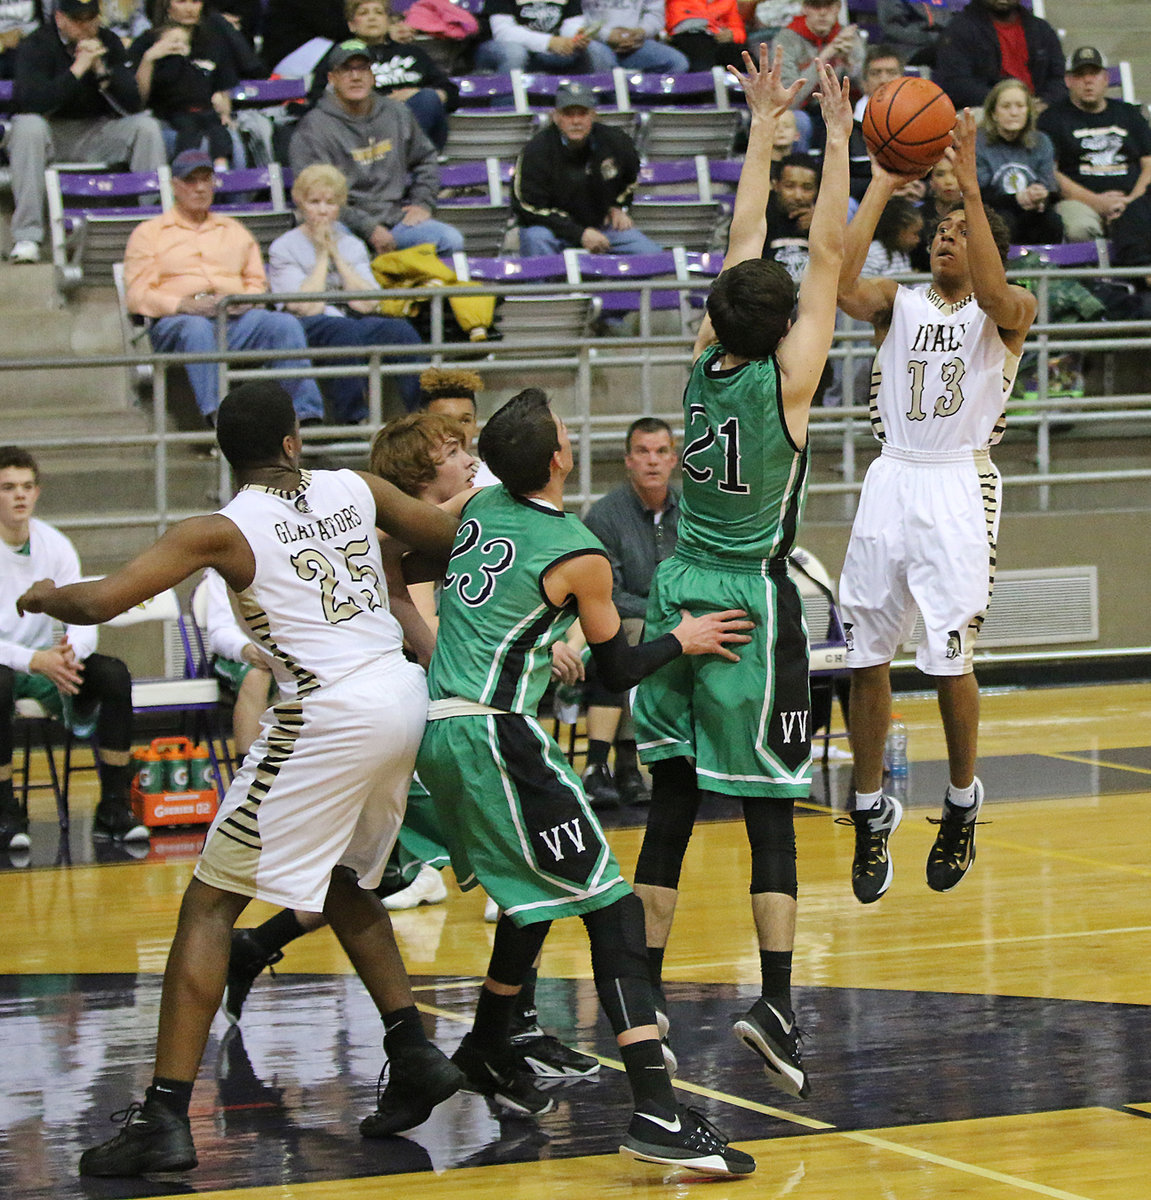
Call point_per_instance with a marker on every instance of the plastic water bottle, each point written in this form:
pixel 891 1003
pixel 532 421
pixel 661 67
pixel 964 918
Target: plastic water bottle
pixel 896 750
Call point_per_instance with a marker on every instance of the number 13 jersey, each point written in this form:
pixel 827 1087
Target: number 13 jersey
pixel 941 377
pixel 318 569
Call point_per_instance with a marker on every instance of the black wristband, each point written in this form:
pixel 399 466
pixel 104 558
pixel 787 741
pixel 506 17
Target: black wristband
pixel 621 666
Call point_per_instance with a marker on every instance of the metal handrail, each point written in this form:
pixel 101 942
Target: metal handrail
pixel 847 425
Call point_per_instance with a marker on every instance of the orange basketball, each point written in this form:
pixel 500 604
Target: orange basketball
pixel 907 125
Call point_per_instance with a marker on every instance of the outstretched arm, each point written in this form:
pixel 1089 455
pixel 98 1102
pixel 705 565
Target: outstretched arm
pixel 587 578
pixel 767 99
pixel 803 351
pixel 1011 307
pixel 416 523
pixel 186 548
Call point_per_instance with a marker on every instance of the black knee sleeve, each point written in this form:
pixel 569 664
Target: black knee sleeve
pixel 619 963
pixel 515 949
pixel 108 681
pixel 771 831
pixel 7 711
pixel 670 820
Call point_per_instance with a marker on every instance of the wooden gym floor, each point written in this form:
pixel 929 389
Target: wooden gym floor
pixel 990 1044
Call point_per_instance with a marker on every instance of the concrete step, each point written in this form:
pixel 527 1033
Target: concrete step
pixel 27 287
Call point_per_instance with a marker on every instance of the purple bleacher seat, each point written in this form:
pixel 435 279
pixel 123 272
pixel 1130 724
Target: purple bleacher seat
pixel 1061 254
pixel 617 267
pixel 241 182
pixel 692 87
pixel 106 194
pixel 464 174
pixel 6 87
pixel 541 89
pixel 674 173
pixel 542 269
pixel 260 93
pixel 483 91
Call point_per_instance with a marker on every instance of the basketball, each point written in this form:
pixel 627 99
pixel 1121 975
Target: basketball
pixel 907 125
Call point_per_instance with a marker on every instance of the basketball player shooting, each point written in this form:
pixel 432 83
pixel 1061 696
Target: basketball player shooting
pixel 925 531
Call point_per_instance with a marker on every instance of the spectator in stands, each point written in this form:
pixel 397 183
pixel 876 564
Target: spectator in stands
pixel 402 70
pixel 90 693
pixel 913 27
pixel 176 267
pixel 943 195
pixel 321 255
pixel 288 24
pixel 1102 161
pixel 766 19
pixel 18 18
pixel 549 35
pixel 991 40
pixel 75 99
pixel 186 69
pixel 897 233
pixel 789 210
pixel 811 39
pixel 388 161
pixel 637 523
pixel 1016 164
pixel 573 183
pixel 631 30
pixel 881 64
pixel 127 19
pixel 710 32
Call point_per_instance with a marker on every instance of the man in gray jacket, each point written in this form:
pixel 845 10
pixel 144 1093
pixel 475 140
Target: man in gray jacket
pixel 393 177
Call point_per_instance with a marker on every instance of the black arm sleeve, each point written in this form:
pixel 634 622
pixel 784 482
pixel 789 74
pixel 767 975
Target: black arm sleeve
pixel 621 666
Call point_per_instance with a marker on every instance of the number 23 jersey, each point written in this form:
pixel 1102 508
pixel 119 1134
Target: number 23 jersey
pixel 941 377
pixel 318 603
pixel 497 624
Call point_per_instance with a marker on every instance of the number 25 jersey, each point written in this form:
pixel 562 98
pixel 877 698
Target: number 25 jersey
pixel 318 603
pixel 941 377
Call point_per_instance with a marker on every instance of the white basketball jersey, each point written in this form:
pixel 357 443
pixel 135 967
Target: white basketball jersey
pixel 318 603
pixel 942 375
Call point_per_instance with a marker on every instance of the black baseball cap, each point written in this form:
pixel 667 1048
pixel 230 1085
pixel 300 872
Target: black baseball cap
pixel 79 10
pixel 575 95
pixel 1086 58
pixel 346 51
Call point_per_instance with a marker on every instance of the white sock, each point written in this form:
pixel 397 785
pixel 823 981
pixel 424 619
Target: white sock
pixel 867 800
pixel 961 797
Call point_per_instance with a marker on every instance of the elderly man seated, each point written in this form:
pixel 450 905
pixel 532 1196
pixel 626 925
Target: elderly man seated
pixel 178 265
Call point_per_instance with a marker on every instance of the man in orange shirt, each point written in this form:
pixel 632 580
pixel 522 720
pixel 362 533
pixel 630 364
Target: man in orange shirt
pixel 179 264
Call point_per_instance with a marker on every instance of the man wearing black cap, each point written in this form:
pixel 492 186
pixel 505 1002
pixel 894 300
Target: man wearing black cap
pixel 573 183
pixel 179 264
pixel 75 99
pixel 389 163
pixel 1102 161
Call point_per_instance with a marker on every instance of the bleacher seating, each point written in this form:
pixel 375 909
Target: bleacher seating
pixel 91 215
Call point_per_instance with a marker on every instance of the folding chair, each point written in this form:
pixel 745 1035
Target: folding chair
pixel 91 215
pixel 179 691
pixel 481 214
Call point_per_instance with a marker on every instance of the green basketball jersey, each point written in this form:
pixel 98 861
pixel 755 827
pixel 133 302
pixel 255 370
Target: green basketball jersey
pixel 496 623
pixel 744 479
